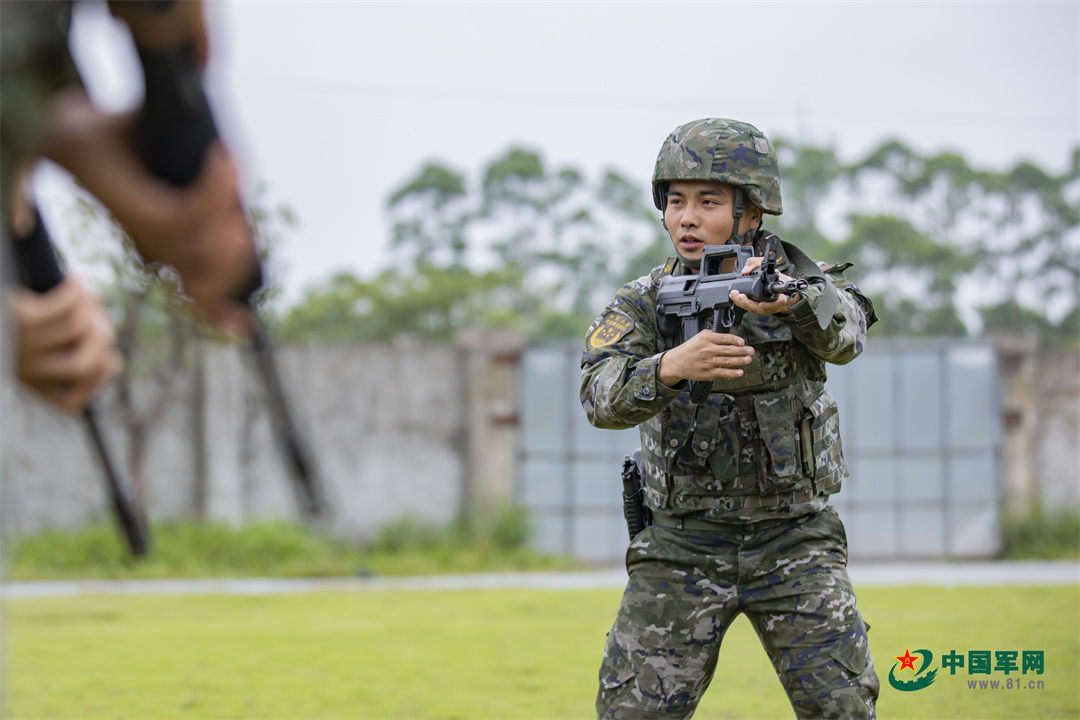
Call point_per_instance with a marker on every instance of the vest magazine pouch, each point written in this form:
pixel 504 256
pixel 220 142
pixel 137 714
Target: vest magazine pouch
pixel 677 423
pixel 727 446
pixel 824 431
pixel 760 329
pixel 777 415
pixel 702 443
pixel 675 439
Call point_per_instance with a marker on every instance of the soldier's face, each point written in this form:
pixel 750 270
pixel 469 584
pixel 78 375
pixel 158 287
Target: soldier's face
pixel 699 213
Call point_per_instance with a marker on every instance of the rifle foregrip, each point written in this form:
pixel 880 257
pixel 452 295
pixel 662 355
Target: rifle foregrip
pixel 177 125
pixel 38 268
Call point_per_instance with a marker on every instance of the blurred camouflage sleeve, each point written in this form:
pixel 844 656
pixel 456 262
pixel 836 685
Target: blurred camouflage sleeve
pixel 845 337
pixel 34 64
pixel 619 383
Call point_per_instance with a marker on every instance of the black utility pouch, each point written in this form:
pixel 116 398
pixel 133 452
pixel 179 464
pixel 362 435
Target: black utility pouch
pixel 638 515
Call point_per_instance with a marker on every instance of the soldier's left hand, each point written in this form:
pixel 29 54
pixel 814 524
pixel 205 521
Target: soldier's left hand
pixel 64 341
pixel 780 306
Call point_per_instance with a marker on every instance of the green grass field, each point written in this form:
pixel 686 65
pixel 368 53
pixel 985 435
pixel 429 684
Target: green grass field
pixel 408 546
pixel 474 654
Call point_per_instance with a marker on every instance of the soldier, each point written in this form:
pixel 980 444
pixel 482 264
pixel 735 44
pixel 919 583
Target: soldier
pixel 738 485
pixel 63 337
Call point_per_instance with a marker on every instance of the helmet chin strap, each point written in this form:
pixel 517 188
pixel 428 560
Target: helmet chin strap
pixel 747 237
pixel 736 215
pixel 687 262
pixel 735 239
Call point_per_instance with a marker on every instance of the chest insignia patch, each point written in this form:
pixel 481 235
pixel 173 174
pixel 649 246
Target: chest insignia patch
pixel 611 329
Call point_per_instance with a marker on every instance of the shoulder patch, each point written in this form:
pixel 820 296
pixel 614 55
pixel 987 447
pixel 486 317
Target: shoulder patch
pixel 613 327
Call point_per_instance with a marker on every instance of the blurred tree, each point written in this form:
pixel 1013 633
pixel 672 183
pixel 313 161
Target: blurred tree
pixel 426 302
pixel 528 247
pixel 157 328
pixel 431 215
pixel 944 248
pixel 808 175
pixel 919 274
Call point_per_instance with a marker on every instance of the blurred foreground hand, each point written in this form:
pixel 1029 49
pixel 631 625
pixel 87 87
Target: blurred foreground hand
pixel 65 343
pixel 200 229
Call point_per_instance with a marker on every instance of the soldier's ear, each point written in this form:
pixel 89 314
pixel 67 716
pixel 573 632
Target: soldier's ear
pixel 663 221
pixel 754 215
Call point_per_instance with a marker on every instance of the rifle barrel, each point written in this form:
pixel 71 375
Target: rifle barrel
pixel 178 127
pixel 39 270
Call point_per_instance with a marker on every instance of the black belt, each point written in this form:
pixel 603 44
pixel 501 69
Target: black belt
pixel 697 523
pixel 688 523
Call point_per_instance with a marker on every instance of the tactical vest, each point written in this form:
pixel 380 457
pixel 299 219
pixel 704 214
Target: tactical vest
pixel 770 437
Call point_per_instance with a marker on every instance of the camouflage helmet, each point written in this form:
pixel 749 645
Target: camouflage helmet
pixel 725 151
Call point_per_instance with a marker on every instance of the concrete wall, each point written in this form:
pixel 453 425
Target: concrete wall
pixel 1041 409
pixel 401 428
pixel 920 434
pixel 395 429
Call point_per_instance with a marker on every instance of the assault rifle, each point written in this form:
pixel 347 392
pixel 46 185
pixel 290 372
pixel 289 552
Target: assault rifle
pixel 688 304
pixel 177 128
pixel 39 271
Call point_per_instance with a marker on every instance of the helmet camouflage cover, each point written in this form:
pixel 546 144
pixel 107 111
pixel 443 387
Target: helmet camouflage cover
pixel 725 151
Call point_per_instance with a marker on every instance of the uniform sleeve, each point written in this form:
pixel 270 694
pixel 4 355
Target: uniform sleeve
pixel 619 383
pixel 34 63
pixel 845 337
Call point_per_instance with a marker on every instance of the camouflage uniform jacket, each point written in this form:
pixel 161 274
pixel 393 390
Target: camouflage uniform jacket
pixel 34 64
pixel 763 446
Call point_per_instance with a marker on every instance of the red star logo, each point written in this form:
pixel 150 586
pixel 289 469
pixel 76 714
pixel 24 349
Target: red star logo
pixel 907 660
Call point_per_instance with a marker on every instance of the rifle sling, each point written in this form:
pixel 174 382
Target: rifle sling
pixel 806 267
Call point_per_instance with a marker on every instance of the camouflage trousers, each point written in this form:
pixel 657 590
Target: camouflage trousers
pixel 687 586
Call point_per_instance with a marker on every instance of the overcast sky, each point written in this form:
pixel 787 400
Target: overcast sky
pixel 334 104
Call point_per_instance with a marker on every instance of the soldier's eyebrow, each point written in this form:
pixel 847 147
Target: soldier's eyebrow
pixel 706 190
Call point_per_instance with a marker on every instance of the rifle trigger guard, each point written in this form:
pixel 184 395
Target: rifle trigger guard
pixel 727 318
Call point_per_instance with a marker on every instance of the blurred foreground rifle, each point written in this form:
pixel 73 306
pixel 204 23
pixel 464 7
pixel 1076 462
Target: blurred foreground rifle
pixel 688 304
pixel 39 271
pixel 177 128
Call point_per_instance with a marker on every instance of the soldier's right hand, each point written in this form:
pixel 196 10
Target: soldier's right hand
pixel 201 229
pixel 706 356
